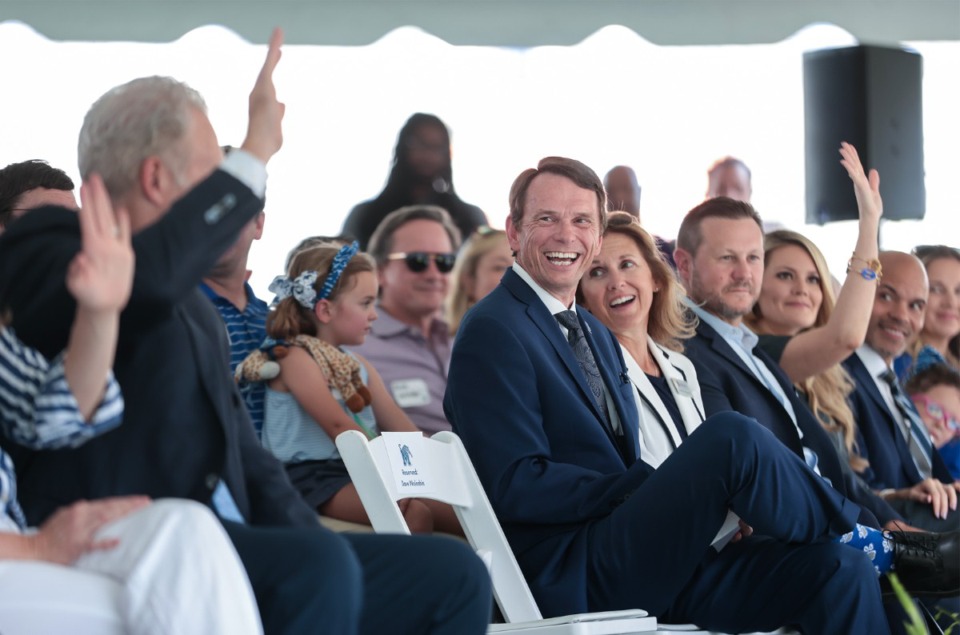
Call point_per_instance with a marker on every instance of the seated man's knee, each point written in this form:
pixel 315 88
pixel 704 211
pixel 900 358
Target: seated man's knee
pixel 461 564
pixel 184 511
pixel 736 427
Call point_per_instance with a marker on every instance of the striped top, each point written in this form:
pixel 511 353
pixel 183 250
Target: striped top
pixel 246 331
pixel 38 411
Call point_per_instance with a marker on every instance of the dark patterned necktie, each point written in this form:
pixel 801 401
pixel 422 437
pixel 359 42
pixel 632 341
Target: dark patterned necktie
pixel 920 446
pixel 581 349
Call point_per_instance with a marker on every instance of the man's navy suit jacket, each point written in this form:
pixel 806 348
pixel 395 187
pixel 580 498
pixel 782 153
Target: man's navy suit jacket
pixel 880 440
pixel 521 404
pixel 726 383
pixel 185 425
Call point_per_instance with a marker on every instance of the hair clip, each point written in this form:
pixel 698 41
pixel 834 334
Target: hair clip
pixel 336 268
pixel 300 288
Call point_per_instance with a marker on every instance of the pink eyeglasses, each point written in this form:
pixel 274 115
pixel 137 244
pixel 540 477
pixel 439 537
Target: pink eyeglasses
pixel 936 410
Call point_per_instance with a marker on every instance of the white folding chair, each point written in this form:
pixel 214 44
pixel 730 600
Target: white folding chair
pixel 456 483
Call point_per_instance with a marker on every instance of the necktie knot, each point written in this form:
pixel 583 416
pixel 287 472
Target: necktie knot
pixel 890 377
pixel 569 320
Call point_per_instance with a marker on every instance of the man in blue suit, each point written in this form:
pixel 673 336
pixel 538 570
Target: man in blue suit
pixel 720 262
pixel 904 466
pixel 539 394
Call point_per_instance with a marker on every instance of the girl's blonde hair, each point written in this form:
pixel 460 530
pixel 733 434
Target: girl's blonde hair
pixel 826 392
pixel 290 318
pixel 480 244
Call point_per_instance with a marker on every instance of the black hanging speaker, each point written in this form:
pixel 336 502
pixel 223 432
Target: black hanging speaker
pixel 869 96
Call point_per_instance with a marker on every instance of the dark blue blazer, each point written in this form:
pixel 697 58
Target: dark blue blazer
pixel 521 404
pixel 726 383
pixel 185 426
pixel 880 440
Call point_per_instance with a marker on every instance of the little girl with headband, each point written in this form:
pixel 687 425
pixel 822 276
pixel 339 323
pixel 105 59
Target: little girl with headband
pixel 328 300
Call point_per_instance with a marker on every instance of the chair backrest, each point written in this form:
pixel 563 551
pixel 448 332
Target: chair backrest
pixel 455 483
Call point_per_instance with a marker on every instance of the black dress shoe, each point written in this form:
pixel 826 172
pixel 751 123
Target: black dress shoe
pixel 927 564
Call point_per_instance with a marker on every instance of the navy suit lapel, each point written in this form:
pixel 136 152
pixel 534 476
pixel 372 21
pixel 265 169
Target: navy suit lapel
pixel 720 346
pixel 865 382
pixel 614 379
pixel 780 425
pixel 547 324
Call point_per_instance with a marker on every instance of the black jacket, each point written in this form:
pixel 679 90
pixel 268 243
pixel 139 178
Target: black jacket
pixel 185 425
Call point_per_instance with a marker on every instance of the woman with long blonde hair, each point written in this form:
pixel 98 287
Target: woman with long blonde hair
pixel 809 331
pixel 480 265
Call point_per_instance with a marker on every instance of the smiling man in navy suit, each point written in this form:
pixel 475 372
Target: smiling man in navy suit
pixel 904 466
pixel 540 396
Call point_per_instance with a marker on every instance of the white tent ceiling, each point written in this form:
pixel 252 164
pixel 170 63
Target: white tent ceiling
pixel 489 22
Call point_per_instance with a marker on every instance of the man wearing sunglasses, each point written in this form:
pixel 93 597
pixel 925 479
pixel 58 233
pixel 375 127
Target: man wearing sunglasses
pixel 415 249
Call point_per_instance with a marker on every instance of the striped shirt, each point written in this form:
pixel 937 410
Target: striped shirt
pixel 38 411
pixel 246 331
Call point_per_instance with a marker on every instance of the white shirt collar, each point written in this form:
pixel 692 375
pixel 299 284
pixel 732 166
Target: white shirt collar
pixel 553 304
pixel 875 364
pixel 741 335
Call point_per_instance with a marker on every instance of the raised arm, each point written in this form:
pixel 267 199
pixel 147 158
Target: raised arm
pixel 817 349
pixel 207 220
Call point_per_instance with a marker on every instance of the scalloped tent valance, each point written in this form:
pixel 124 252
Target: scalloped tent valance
pixel 515 23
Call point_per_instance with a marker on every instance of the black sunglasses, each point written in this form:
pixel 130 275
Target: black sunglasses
pixel 418 261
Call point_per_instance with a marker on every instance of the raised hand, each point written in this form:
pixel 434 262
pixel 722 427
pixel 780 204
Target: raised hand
pixel 101 275
pixel 71 531
pixel 264 130
pixel 866 187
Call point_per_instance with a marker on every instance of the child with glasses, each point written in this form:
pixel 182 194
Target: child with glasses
pixel 316 390
pixel 935 390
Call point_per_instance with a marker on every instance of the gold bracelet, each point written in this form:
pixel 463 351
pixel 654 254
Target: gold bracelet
pixel 872 271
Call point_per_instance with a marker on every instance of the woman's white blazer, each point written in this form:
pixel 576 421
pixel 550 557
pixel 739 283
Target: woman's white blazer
pixel 658 435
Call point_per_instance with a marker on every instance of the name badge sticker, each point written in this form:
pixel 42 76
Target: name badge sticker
pixel 409 462
pixel 682 388
pixel 410 393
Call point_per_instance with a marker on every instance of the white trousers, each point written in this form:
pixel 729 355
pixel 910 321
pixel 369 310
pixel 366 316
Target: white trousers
pixel 174 572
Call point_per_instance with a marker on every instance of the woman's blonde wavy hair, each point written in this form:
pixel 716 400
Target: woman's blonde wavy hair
pixel 482 242
pixel 826 392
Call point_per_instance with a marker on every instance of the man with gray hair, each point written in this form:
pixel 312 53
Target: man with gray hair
pixel 186 432
pixel 415 248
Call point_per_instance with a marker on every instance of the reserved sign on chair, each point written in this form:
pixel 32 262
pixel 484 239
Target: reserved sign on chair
pixel 409 462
